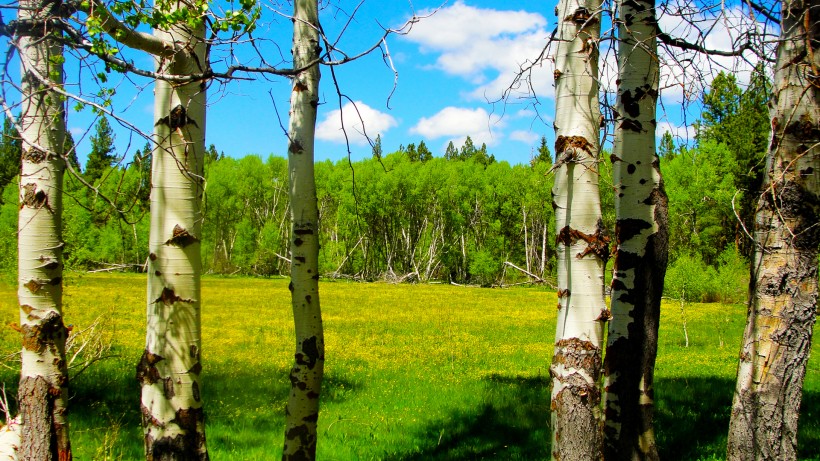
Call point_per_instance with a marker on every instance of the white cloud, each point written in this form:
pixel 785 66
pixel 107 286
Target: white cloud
pixel 526 113
pixel 375 123
pixel 681 133
pixel 457 26
pixel 456 123
pixel 527 137
pixel 486 47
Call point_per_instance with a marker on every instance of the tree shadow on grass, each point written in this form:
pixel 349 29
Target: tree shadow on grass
pixel 510 422
pixel 244 407
pixel 692 419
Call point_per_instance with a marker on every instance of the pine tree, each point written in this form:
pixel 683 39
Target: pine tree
pixel 424 153
pixel 468 149
pixel 10 149
pixel 451 153
pixel 377 147
pixel 412 153
pixel 102 155
pixel 738 120
pixel 543 153
pixel 666 148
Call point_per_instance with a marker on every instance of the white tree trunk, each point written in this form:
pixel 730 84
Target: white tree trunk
pixel 10 440
pixel 169 369
pixel 302 412
pixel 641 237
pixel 43 394
pixel 782 308
pixel 582 247
pixel 526 237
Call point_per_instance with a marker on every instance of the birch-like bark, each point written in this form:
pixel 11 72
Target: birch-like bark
pixel 783 289
pixel 641 236
pixel 43 392
pixel 169 369
pixel 582 246
pixel 302 413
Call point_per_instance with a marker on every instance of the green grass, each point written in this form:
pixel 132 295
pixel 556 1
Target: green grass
pixel 429 372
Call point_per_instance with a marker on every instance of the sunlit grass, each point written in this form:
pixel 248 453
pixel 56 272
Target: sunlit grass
pixel 412 371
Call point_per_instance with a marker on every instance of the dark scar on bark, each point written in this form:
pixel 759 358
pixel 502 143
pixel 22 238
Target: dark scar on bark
pixel 168 297
pixel 597 243
pixel 181 237
pixel 177 118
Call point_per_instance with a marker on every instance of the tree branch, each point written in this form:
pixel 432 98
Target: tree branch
pixel 124 34
pixel 767 13
pixel 667 39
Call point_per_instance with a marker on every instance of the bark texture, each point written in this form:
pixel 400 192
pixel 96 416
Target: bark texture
pixel 641 238
pixel 43 392
pixel 582 246
pixel 169 370
pixel 302 412
pixel 783 291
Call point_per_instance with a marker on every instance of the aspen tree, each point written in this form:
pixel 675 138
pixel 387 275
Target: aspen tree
pixel 641 236
pixel 43 392
pixel 169 370
pixel 582 247
pixel 302 413
pixel 783 288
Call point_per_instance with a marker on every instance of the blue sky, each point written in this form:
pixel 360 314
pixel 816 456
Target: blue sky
pixel 452 68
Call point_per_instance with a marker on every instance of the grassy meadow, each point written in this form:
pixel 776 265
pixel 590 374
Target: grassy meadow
pixel 413 372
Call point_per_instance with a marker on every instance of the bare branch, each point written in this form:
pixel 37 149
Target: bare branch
pixel 667 39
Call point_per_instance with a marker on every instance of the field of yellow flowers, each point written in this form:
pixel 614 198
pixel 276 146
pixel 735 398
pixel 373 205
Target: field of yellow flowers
pixel 413 372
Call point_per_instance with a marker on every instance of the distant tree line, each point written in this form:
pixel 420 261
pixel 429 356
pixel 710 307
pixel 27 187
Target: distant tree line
pixel 409 215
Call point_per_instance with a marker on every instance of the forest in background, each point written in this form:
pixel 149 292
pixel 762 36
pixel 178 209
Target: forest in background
pixel 410 216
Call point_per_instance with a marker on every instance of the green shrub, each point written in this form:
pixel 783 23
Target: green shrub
pixel 484 269
pixel 688 278
pixel 732 281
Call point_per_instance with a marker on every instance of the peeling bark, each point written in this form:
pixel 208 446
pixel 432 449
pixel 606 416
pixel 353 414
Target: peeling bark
pixel 43 393
pixel 783 288
pixel 169 370
pixel 641 238
pixel 302 412
pixel 582 247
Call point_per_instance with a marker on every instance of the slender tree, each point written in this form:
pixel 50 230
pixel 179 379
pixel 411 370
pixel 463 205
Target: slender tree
pixel 302 413
pixel 641 238
pixel 582 247
pixel 169 370
pixel 783 288
pixel 43 392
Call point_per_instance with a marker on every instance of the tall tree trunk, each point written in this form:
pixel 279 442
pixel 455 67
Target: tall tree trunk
pixel 43 378
pixel 169 369
pixel 582 246
pixel 641 236
pixel 543 249
pixel 783 289
pixel 526 237
pixel 302 413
